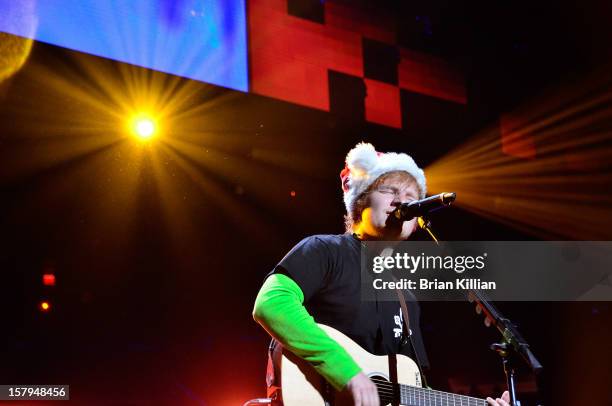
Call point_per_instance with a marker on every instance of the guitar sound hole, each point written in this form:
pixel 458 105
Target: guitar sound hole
pixel 387 392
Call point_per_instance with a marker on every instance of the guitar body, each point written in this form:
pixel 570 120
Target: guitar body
pixel 301 385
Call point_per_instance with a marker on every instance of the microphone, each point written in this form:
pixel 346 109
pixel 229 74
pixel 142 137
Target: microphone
pixel 418 208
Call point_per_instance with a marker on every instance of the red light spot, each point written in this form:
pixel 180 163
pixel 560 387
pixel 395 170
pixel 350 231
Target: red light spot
pixel 293 193
pixel 45 306
pixel 48 279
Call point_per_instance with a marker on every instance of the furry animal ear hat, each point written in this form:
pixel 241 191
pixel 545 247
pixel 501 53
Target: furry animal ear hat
pixel 364 165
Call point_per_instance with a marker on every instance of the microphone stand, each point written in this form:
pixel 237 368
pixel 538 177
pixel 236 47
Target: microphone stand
pixel 512 345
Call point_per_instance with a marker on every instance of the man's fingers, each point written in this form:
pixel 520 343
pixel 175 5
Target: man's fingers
pixel 376 398
pixel 367 397
pixel 363 390
pixel 497 402
pixel 357 398
pixel 372 399
pixel 506 396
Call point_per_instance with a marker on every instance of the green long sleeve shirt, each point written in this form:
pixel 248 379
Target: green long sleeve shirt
pixel 279 309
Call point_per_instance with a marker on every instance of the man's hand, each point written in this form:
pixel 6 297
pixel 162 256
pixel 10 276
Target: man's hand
pixel 503 401
pixel 363 390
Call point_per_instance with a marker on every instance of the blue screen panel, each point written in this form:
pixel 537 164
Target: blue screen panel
pixel 198 39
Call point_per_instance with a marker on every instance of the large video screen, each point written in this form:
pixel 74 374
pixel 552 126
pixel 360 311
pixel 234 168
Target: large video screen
pixel 203 40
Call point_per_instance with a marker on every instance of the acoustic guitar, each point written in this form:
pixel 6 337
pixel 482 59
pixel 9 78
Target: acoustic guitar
pixel 301 385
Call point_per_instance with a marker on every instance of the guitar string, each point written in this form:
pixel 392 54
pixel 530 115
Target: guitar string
pixel 418 397
pixel 425 393
pixel 390 385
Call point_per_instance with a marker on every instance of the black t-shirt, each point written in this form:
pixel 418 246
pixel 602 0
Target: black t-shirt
pixel 327 269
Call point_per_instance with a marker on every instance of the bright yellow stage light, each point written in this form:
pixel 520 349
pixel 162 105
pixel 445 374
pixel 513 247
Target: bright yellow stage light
pixel 144 127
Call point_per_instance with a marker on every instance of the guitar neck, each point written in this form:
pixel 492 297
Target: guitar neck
pixel 415 396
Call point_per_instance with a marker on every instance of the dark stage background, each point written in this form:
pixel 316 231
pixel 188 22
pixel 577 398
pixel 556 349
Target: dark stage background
pixel 153 298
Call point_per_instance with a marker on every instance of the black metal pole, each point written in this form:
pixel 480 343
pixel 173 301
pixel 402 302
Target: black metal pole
pixel 509 370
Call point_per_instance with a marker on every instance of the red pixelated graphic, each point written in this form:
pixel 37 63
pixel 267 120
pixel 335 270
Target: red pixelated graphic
pixel 290 58
pixel 382 104
pixel 367 25
pixel 429 75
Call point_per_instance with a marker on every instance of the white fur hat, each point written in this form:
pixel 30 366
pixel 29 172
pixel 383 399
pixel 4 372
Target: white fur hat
pixel 364 165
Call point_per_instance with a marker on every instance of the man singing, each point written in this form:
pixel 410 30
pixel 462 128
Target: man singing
pixel 319 280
